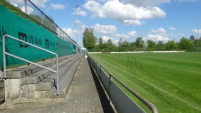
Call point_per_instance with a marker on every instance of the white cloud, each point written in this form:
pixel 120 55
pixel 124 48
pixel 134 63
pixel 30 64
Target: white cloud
pixel 38 3
pixel 106 38
pixel 159 34
pixel 69 31
pixel 101 0
pixel 188 0
pixel 124 13
pixel 132 33
pixel 157 37
pixel 122 36
pixel 159 31
pixel 16 2
pixel 111 32
pixel 104 29
pixel 58 6
pixel 145 2
pixel 80 12
pixel 172 28
pixel 132 22
pixel 29 9
pixel 93 6
pixel 74 33
pixel 79 24
pixel 198 31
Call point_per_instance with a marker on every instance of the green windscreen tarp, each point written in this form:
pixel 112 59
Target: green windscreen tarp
pixel 26 30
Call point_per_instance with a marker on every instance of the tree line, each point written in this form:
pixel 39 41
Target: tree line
pixel 94 44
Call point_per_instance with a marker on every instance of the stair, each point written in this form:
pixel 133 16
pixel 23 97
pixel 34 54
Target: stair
pixel 39 83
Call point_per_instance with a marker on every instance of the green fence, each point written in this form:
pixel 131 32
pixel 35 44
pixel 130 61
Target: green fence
pixel 22 28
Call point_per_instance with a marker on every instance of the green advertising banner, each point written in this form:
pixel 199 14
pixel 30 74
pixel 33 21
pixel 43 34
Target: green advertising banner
pixel 28 31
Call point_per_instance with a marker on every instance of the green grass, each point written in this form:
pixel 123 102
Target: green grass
pixel 171 81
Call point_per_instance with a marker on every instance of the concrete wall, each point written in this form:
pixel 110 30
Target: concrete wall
pixel 12 89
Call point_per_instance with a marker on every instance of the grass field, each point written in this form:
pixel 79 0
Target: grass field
pixel 171 81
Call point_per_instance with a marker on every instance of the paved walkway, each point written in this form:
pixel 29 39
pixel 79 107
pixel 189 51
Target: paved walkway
pixel 83 97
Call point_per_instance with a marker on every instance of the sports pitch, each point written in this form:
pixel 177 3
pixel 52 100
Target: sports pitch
pixel 171 81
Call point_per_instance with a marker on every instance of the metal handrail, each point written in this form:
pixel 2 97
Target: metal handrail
pixel 150 105
pixel 20 58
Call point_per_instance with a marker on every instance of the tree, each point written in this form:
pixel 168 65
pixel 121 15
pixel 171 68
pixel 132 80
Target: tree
pixel 132 46
pixel 101 43
pixel 139 42
pixel 192 38
pixel 160 46
pixel 109 42
pixel 185 44
pixel 120 44
pixel 151 45
pixel 199 42
pixel 171 45
pixel 110 46
pixel 125 46
pixel 89 40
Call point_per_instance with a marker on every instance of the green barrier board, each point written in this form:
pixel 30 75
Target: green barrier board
pixel 26 30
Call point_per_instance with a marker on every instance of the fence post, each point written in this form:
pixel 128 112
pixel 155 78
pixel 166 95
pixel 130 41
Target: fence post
pixel 110 80
pixel 100 73
pixel 25 6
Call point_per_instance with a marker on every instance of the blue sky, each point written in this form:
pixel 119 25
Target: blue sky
pixel 127 19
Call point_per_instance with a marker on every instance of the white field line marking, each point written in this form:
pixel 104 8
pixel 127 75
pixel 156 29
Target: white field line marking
pixel 162 90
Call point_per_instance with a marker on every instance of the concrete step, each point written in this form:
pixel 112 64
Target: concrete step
pixel 46 73
pixel 66 79
pixel 65 68
pixel 67 73
pixel 40 75
pixel 27 70
pixel 18 73
pixel 35 82
pixel 32 79
pixel 27 91
pixel 30 84
pixel 42 94
pixel 30 91
pixel 45 85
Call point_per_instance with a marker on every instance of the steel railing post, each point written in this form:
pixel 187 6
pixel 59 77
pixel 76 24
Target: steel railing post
pixel 4 57
pixel 57 62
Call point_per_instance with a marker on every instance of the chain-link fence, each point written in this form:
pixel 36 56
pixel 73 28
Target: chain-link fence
pixel 46 21
pixel 35 13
